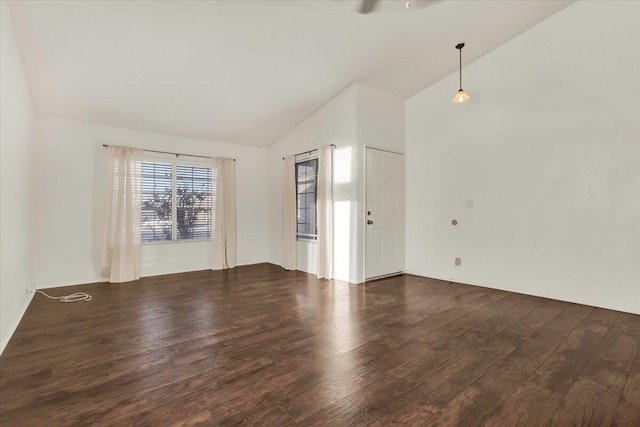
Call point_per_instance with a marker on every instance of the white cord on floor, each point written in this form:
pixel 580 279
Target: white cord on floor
pixel 78 296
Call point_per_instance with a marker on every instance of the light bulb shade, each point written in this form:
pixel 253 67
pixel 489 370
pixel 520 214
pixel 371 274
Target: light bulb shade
pixel 461 96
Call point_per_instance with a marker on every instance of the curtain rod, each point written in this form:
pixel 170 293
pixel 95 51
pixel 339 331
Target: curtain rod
pixel 167 152
pixel 310 151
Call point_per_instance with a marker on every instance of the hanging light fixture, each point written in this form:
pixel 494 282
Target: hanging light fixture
pixel 461 95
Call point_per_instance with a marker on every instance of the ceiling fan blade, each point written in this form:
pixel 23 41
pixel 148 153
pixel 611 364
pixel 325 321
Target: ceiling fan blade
pixel 368 6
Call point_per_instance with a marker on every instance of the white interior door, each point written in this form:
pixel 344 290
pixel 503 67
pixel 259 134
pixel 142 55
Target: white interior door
pixel 384 245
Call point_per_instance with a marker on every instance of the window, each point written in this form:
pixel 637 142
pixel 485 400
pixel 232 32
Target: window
pixel 176 202
pixel 306 197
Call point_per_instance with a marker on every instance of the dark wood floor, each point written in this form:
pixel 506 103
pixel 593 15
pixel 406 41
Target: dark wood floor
pixel 257 345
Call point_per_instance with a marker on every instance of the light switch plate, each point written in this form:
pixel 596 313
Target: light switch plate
pixel 458 261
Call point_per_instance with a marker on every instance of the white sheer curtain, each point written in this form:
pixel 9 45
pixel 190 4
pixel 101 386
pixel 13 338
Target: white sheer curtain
pixel 223 192
pixel 121 243
pixel 289 247
pixel 325 212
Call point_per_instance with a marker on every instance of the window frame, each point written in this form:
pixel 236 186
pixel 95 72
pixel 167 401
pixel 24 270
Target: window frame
pixel 303 237
pixel 174 161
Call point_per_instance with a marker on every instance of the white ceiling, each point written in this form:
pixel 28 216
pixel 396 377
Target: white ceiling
pixel 244 72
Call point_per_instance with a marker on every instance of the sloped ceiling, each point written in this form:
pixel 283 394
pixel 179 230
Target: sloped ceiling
pixel 244 72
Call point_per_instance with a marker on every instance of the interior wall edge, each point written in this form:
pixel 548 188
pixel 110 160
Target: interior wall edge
pixel 16 322
pixel 17 142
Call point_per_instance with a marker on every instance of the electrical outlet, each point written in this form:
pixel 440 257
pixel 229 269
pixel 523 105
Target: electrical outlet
pixel 458 261
pixel 468 204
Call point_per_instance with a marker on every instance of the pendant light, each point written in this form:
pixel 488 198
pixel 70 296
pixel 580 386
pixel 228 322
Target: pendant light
pixel 461 95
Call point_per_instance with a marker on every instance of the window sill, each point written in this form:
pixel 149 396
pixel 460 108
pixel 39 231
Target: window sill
pixel 314 241
pixel 168 242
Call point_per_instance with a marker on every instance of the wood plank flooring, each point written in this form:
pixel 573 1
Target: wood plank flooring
pixel 260 346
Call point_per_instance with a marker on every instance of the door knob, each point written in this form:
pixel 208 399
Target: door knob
pixel 369 222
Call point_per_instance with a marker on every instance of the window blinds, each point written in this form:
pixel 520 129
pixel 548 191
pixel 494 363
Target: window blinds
pixel 157 206
pixel 193 202
pixel 306 197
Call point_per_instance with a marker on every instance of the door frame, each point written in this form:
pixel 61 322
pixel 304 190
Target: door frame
pixel 364 211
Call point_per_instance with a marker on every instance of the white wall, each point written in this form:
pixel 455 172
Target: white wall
pixel 16 144
pixel 381 119
pixel 357 117
pixel 69 189
pixel 548 149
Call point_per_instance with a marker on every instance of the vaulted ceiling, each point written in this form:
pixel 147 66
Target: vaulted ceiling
pixel 244 72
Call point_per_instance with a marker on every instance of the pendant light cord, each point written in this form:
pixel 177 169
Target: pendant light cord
pixel 460 68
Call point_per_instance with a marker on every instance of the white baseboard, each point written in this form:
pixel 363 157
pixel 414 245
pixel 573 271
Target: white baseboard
pixel 63 284
pixel 609 305
pixel 199 269
pixel 16 322
pixel 97 279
